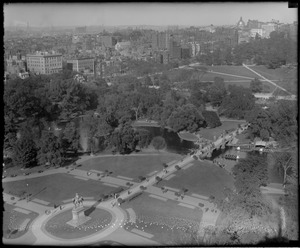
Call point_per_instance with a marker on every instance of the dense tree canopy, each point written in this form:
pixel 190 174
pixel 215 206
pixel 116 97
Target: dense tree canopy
pixel 256 86
pixel 25 152
pixel 250 174
pixel 187 118
pixel 279 121
pixel 158 142
pixel 217 91
pixel 50 150
pixel 211 119
pixel 237 103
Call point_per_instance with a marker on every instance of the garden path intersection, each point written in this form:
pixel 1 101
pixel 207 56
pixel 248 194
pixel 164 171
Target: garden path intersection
pixel 119 216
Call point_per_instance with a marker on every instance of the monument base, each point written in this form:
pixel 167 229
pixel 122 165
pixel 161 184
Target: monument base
pixel 79 217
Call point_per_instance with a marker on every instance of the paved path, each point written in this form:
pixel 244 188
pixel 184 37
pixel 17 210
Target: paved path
pixel 43 238
pixel 266 79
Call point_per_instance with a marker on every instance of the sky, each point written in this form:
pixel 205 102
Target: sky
pixel 113 14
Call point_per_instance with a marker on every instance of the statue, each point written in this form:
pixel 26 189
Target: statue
pixel 78 201
pixel 78 213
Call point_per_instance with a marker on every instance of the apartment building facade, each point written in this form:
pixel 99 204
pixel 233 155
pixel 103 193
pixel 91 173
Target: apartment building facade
pixel 44 63
pixel 84 65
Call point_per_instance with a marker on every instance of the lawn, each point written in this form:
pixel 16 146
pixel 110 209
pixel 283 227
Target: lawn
pixel 273 74
pixel 217 131
pixel 166 220
pixel 202 178
pixel 235 70
pixel 209 77
pixel 56 188
pixel 12 220
pixel 57 225
pixel 130 166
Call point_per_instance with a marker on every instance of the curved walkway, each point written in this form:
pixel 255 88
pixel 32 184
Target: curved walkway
pixel 44 238
pixel 37 227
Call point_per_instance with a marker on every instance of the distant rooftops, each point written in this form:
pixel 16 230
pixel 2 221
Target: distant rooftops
pixel 44 54
pixel 80 58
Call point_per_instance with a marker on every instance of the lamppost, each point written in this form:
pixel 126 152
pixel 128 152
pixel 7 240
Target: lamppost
pixel 27 198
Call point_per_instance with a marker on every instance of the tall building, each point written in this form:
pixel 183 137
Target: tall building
pixel 293 31
pixel 185 52
pixel 194 47
pixel 44 63
pixel 84 65
pixel 255 31
pixel 254 24
pixel 160 40
pixel 268 28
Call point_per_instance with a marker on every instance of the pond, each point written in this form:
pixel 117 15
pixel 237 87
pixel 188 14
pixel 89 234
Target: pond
pixel 174 143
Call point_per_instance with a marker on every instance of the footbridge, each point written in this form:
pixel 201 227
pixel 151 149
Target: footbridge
pixel 222 141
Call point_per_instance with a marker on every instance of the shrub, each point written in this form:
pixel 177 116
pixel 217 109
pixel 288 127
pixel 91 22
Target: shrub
pixel 201 205
pixel 158 142
pixel 177 167
pixel 143 187
pixel 195 157
pixel 141 178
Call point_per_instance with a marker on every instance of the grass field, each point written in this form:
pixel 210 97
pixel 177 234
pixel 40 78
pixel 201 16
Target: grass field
pixel 202 178
pixel 283 75
pixel 209 77
pixel 130 166
pixel 279 73
pixel 58 187
pixel 57 225
pixel 11 221
pixel 235 70
pixel 217 131
pixel 166 220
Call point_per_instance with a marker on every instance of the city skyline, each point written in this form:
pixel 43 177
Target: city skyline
pixel 158 14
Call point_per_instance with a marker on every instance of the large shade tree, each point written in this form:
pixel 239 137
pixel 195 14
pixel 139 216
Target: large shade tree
pixel 50 150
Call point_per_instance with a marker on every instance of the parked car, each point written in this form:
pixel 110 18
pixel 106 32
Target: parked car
pixel 27 173
pixel 40 171
pixel 13 175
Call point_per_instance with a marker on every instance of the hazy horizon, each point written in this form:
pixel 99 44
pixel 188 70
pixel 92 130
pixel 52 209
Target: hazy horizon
pixel 133 14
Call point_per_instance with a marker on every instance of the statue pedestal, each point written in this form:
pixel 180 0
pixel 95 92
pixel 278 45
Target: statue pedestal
pixel 79 217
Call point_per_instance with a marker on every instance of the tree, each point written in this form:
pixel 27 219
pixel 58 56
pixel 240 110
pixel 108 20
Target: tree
pixel 286 162
pixel 211 119
pixel 250 174
pixel 237 103
pixel 25 152
pixel 158 142
pixel 71 137
pixel 217 91
pixel 186 117
pixel 143 138
pixel 51 150
pixel 123 139
pixel 283 115
pixel 21 100
pixel 256 85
